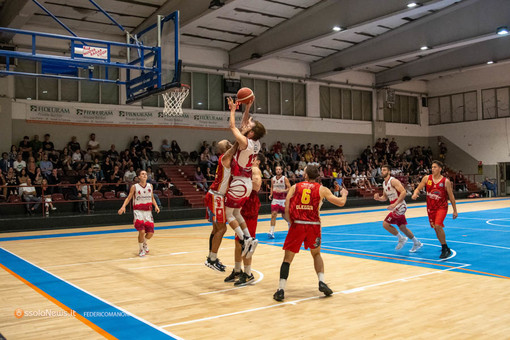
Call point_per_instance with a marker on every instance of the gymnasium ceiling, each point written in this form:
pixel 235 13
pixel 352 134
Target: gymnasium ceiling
pixel 383 37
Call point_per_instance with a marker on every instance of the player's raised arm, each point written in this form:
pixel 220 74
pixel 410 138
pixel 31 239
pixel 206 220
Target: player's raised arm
pixel 420 186
pixel 242 140
pixel 127 200
pixel 246 115
pixel 291 192
pixel 338 201
pixel 227 156
pixel 449 190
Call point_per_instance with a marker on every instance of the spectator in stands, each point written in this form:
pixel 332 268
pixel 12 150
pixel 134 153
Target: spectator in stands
pixel 490 186
pixel 85 194
pixel 66 159
pixel 73 145
pixel 115 177
pixel 460 181
pixel 94 146
pixel 135 159
pixel 12 180
pixel 179 156
pixel 46 166
pixel 13 154
pixel 328 176
pixel 29 194
pixel 113 154
pixel 204 146
pixel 46 196
pixel 126 159
pixel 363 181
pixel 48 145
pixel 36 145
pixel 346 169
pixel 5 163
pixel 3 186
pixel 205 159
pixel 299 173
pixel 393 147
pixel 135 144
pixel 442 151
pixel 145 159
pixel 38 178
pixel 166 151
pixel 129 175
pixel 162 179
pixel 88 157
pixel 98 171
pixel 107 167
pixel 54 180
pixel 209 176
pixel 19 163
pixel 200 179
pixel 150 176
pixel 147 145
pixel 77 161
pixel 25 148
pixel 92 180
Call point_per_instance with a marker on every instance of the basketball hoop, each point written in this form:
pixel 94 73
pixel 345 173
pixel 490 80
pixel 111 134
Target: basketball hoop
pixel 174 98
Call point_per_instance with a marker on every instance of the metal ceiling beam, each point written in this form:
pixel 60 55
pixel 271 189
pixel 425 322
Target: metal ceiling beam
pixel 474 55
pixel 317 22
pixel 15 14
pixel 466 22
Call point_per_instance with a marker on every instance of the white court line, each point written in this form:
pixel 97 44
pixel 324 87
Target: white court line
pixel 129 258
pixel 472 218
pixel 97 297
pixel 261 277
pixel 498 219
pixel 294 302
pixel 454 253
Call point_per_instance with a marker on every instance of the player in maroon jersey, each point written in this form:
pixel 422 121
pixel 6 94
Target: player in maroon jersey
pixel 250 213
pixel 302 210
pixel 439 190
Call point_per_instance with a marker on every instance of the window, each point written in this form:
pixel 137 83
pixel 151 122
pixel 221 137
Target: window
pixel 404 110
pixel 339 103
pixel 454 108
pixel 25 87
pixel 495 102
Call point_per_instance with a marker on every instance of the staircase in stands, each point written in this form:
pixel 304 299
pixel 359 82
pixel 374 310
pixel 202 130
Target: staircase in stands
pixel 183 176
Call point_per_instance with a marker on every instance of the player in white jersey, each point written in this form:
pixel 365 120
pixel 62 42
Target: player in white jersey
pixel 395 192
pixel 143 200
pixel 280 185
pixel 241 168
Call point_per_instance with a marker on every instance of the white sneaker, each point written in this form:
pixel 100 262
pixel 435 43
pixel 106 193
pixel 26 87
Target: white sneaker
pixel 416 247
pixel 270 236
pixel 146 248
pixel 252 248
pixel 142 253
pixel 246 246
pixel 401 243
pixel 54 208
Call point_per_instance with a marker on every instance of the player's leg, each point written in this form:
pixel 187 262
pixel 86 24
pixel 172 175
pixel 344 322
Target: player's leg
pixel 437 222
pixel 392 230
pixel 141 240
pixel 247 276
pixel 284 274
pixel 318 264
pixel 237 271
pixel 149 231
pixel 215 239
pixel 274 214
pixel 416 243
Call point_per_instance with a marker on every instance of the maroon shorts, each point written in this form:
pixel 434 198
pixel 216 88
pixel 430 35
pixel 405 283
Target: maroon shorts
pixel 252 226
pixel 277 208
pixel 396 219
pixel 436 217
pixel 144 225
pixel 310 234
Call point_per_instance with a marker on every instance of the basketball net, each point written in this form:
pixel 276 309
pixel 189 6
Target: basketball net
pixel 173 100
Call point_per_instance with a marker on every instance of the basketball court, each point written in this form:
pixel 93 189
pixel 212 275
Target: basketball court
pixel 90 283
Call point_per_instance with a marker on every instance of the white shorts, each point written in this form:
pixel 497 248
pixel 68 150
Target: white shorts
pixel 238 192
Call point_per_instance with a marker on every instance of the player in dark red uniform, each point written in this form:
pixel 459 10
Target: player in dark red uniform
pixel 250 213
pixel 302 210
pixel 439 190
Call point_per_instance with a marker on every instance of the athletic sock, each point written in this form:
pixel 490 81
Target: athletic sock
pixel 282 284
pixel 272 229
pixel 141 246
pixel 247 270
pixel 320 276
pixel 415 240
pixel 213 256
pixel 239 233
pixel 246 233
pixel 399 236
pixel 237 267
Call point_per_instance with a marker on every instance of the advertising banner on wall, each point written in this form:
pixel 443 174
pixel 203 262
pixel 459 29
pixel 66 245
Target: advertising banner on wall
pixel 122 116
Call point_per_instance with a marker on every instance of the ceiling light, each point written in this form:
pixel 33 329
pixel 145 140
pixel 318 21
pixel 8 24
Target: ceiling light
pixel 215 4
pixel 412 4
pixel 503 30
pixel 424 48
pixel 337 28
pixel 490 62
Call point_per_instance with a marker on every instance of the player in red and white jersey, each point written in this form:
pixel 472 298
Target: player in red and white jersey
pixel 395 192
pixel 280 185
pixel 439 190
pixel 250 213
pixel 215 204
pixel 143 200
pixel 241 183
pixel 302 207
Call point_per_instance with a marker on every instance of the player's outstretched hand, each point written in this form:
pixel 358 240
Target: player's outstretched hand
pixel 391 207
pixel 344 192
pixel 231 105
pixel 455 215
pixel 157 209
pixel 414 197
pixel 122 210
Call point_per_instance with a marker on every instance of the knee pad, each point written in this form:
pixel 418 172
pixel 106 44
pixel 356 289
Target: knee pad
pixel 238 216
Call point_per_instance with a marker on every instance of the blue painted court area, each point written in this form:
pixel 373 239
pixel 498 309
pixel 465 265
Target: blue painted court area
pixel 479 241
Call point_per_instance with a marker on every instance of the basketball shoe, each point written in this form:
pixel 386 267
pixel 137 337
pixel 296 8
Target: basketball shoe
pixel 279 295
pixel 325 289
pixel 215 265
pixel 244 279
pixel 416 247
pixel 232 277
pixel 401 243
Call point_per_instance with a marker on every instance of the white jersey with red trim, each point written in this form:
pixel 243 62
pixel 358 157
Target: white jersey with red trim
pixel 393 195
pixel 244 158
pixel 279 188
pixel 143 197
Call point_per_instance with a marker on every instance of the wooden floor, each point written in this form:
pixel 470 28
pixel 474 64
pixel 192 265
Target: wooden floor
pixel 171 288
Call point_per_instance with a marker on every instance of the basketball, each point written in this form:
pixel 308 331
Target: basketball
pixel 244 95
